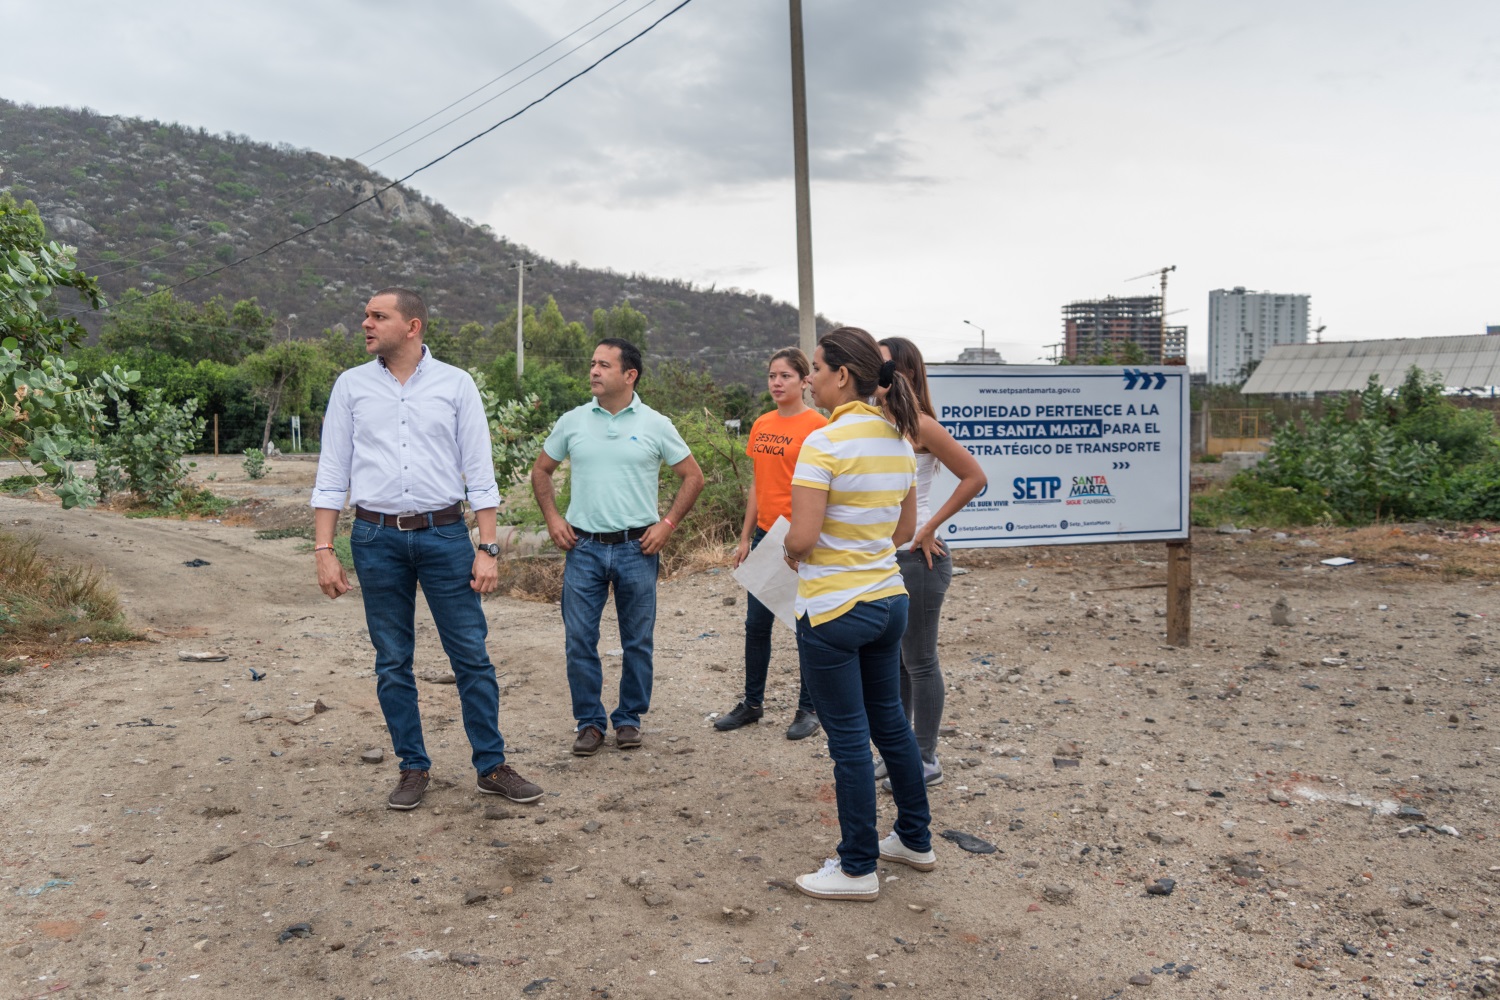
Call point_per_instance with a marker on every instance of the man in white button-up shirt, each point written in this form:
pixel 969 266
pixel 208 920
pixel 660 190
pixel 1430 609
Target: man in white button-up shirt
pixel 406 440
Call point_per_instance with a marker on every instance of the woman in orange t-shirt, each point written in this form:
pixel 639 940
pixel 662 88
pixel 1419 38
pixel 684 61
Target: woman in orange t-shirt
pixel 775 441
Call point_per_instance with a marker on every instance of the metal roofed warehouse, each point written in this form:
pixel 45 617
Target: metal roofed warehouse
pixel 1346 366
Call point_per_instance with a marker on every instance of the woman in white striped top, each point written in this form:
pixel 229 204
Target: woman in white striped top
pixel 852 506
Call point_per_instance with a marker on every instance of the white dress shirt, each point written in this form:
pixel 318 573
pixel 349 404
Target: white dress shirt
pixel 398 449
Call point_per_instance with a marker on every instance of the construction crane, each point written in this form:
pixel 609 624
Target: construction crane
pixel 1162 274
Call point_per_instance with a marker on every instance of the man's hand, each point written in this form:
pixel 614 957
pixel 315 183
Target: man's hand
pixel 485 576
pixel 742 552
pixel 561 533
pixel 655 538
pixel 332 580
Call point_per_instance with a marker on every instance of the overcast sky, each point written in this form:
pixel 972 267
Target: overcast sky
pixel 972 159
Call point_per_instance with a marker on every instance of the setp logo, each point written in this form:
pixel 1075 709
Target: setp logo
pixel 1036 489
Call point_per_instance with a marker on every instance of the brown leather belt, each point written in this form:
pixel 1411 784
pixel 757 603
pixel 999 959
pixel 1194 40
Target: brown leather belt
pixel 611 537
pixel 414 522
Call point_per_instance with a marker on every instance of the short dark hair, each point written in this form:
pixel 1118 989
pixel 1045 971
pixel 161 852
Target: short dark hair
pixel 630 355
pixel 409 304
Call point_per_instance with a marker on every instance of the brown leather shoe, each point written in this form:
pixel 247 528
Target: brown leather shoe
pixel 504 780
pixel 627 737
pixel 409 789
pixel 588 742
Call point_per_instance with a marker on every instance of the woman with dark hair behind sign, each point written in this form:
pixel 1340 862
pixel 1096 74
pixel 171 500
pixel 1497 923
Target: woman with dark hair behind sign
pixel 926 565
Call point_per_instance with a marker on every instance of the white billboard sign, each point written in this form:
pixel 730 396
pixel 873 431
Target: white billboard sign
pixel 1074 454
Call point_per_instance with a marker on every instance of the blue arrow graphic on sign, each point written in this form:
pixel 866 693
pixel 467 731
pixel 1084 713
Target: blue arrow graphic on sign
pixel 1137 379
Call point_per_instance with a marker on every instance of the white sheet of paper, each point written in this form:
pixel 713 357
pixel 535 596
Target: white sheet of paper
pixel 765 574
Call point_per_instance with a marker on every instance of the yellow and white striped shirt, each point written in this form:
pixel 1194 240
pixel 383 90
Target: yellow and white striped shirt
pixel 867 468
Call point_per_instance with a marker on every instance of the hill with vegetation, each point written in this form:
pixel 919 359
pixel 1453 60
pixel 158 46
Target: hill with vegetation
pixel 150 204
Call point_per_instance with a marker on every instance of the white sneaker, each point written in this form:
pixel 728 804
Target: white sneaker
pixel 932 774
pixel 830 882
pixel 880 771
pixel 891 849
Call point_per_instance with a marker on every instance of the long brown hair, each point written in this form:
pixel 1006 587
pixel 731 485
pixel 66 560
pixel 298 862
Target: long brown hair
pixel 909 363
pixel 794 357
pixel 854 349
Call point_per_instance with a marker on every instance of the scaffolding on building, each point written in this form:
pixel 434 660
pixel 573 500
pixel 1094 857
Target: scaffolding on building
pixel 1093 327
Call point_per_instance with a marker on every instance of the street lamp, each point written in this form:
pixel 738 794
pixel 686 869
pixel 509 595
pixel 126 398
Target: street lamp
pixel 981 336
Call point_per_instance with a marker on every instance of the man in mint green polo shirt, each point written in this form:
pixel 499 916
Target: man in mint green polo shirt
pixel 613 534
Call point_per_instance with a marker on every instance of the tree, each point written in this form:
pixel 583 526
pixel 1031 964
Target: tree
pixel 341 349
pixel 1126 352
pixel 46 411
pixel 621 321
pixel 551 339
pixel 208 332
pixel 285 376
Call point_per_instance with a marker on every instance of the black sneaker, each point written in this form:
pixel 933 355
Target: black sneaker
pixel 804 724
pixel 740 715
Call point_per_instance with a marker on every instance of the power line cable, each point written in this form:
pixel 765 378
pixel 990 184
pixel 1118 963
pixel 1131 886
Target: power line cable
pixel 139 260
pixel 373 196
pixel 496 97
pixel 502 76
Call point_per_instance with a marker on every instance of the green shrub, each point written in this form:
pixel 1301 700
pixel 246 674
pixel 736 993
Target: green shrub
pixel 255 463
pixel 719 514
pixel 1405 455
pixel 143 455
pixel 517 429
pixel 1247 499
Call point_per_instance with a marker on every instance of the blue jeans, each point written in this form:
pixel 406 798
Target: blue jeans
pixel 390 564
pixel 759 622
pixel 590 570
pixel 852 664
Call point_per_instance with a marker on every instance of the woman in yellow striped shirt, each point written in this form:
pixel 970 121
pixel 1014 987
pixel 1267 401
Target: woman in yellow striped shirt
pixel 852 506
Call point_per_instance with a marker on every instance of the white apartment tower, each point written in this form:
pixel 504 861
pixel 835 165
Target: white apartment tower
pixel 1243 325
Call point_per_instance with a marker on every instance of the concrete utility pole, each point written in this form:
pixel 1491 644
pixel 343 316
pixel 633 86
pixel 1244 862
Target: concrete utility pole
pixel 521 267
pixel 807 324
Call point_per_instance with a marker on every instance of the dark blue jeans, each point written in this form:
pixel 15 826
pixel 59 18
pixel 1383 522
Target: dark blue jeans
pixel 591 569
pixel 852 665
pixel 390 564
pixel 759 623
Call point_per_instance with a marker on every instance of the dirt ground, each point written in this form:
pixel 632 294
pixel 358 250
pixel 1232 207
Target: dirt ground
pixel 1321 793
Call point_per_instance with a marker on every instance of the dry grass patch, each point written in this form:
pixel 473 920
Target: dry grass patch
pixel 44 606
pixel 532 578
pixel 1409 552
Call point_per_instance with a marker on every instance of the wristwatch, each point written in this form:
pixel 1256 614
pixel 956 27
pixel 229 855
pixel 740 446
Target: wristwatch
pixel 493 548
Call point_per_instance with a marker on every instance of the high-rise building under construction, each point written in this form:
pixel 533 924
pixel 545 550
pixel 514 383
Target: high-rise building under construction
pixel 1092 327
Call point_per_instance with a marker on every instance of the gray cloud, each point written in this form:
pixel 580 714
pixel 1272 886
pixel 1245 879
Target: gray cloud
pixel 706 100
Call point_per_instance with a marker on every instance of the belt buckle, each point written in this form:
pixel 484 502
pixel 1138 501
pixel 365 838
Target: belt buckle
pixel 419 519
